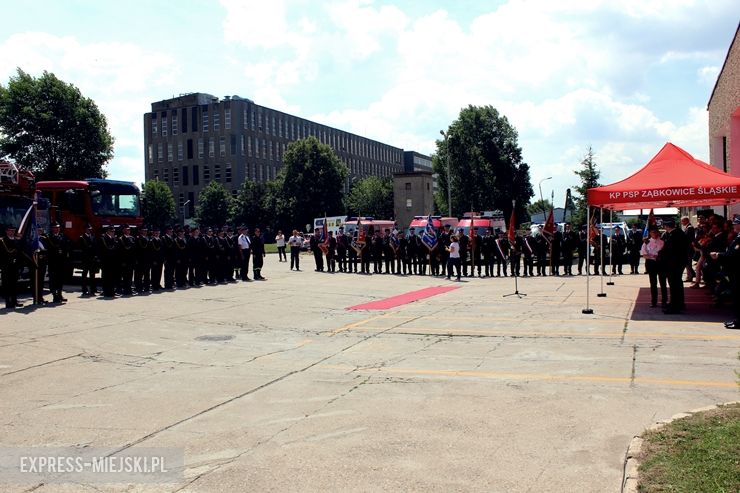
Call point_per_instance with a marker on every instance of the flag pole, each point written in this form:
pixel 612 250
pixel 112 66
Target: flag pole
pixel 611 250
pixel 588 310
pixel 602 294
pixel 512 226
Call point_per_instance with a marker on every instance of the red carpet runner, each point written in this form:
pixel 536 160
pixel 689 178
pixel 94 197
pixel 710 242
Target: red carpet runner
pixel 403 299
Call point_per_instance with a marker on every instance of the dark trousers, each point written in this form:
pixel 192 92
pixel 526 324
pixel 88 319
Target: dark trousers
pixel 656 276
pixel 281 254
pixel 318 258
pixel 634 261
pixel 352 261
pixel 169 274
pixel 365 259
pixel 581 261
pixel 156 275
pixel 257 263
pixel 453 262
pixel 528 265
pixel 488 261
pixel 295 257
pixel 675 284
pixel 568 263
pixel 181 273
pixel 10 285
pixel 342 259
pixel 141 277
pixel 88 278
pixel 56 279
pixel 390 267
pixel 330 263
pixel 110 276
pixel 245 264
pixel 516 263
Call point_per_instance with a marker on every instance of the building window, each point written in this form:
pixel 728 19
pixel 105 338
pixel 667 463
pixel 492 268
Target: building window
pixel 292 129
pixel 190 148
pixel 221 144
pixel 169 152
pixel 166 175
pixel 151 153
pixel 280 127
pixel 196 175
pixel 206 174
pixel 270 150
pixel 176 176
pixel 408 186
pixel 259 120
pixel 184 121
pixel 273 125
pixel 205 120
pixel 174 122
pixel 211 147
pixel 159 153
pixel 179 151
pixel 227 119
pixel 185 176
pixel 194 118
pixel 256 147
pixel 251 118
pixel 200 148
pixel 241 145
pixel 408 203
pixel 249 147
pixel 181 201
pixel 228 173
pixel 154 124
pixel 232 145
pixel 164 123
pixel 156 174
pixel 244 117
pixel 216 121
pixel 217 172
pixel 264 149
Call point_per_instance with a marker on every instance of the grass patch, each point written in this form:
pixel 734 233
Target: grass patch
pixel 271 248
pixel 700 453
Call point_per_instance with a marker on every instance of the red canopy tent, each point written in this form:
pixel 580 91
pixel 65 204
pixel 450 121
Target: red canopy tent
pixel 673 178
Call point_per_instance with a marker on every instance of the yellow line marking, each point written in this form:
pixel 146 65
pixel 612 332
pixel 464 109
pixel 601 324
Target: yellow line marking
pixel 355 325
pixel 442 330
pixel 539 376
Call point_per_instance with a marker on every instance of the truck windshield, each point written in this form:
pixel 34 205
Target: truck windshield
pixel 108 203
pixel 12 209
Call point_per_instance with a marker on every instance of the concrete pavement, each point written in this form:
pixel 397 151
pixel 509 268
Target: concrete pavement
pixel 275 386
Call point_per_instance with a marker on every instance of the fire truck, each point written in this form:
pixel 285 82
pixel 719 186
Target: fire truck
pixel 16 193
pixel 76 203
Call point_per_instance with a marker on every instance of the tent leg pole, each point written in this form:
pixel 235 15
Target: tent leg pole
pixel 602 294
pixel 611 251
pixel 588 310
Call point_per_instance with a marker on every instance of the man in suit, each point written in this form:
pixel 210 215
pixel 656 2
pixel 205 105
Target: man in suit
pixel 672 258
pixel 258 254
pixel 90 261
pixel 10 256
pixel 690 233
pixel 57 251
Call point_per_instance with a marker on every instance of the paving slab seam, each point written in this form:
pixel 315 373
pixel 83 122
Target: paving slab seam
pixel 630 466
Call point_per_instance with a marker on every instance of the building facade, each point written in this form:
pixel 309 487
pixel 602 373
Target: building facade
pixel 412 196
pixel 724 117
pixel 414 161
pixel 196 138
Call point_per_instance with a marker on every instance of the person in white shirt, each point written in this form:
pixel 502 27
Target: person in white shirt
pixel 245 245
pixel 280 241
pixel 295 242
pixel 649 251
pixel 454 258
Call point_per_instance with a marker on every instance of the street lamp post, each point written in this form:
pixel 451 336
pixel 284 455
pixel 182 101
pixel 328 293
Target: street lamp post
pixel 184 215
pixel 449 184
pixel 542 201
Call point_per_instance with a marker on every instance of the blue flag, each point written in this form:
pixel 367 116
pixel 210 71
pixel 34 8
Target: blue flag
pixel 429 237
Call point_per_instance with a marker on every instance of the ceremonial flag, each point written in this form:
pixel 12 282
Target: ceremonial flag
pixel 650 222
pixel 429 237
pixel 511 233
pixel 358 237
pixel 324 245
pixel 549 229
pixel 593 231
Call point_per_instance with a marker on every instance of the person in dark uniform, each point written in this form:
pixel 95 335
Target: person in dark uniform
pixel 181 258
pixel 245 252
pixel 352 253
pixel 634 245
pixel 10 259
pixel 556 246
pixel 581 249
pixel 212 257
pixel 191 238
pixel 170 261
pixel 403 264
pixel 476 248
pixel 515 255
pixel 569 243
pixel 690 234
pixel 617 249
pixel 529 248
pixel 486 247
pixel 342 246
pixel 38 269
pixel 229 252
pixel 316 250
pixel 389 252
pixel 127 245
pixel 442 248
pixel 200 257
pixel 258 254
pixel 541 250
pixel 331 253
pixel 223 260
pixel 411 253
pixel 730 261
pixel 672 258
pixel 109 260
pixel 464 241
pixel 88 245
pixel 502 254
pixel 142 261
pixel 377 253
pixel 157 253
pixel 601 253
pixel 57 251
pixel 366 255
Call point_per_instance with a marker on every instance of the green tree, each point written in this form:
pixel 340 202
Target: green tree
pixel 309 185
pixel 249 206
pixel 589 175
pixel 49 127
pixel 158 204
pixel 485 163
pixel 213 205
pixel 538 206
pixel 372 196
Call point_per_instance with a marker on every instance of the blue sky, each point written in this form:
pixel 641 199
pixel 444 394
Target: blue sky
pixel 623 77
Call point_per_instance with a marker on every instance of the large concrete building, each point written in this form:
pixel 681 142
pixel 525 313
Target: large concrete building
pixel 412 196
pixel 195 138
pixel 724 117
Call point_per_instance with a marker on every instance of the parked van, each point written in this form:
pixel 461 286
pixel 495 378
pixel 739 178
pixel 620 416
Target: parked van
pixel 419 223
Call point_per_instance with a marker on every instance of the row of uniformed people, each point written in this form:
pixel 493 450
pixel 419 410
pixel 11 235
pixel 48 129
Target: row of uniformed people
pixel 490 254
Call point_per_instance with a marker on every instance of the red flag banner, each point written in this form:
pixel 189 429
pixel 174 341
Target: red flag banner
pixel 511 233
pixel 549 229
pixel 593 231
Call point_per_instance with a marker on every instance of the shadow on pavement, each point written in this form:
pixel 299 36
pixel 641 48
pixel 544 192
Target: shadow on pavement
pixel 699 308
